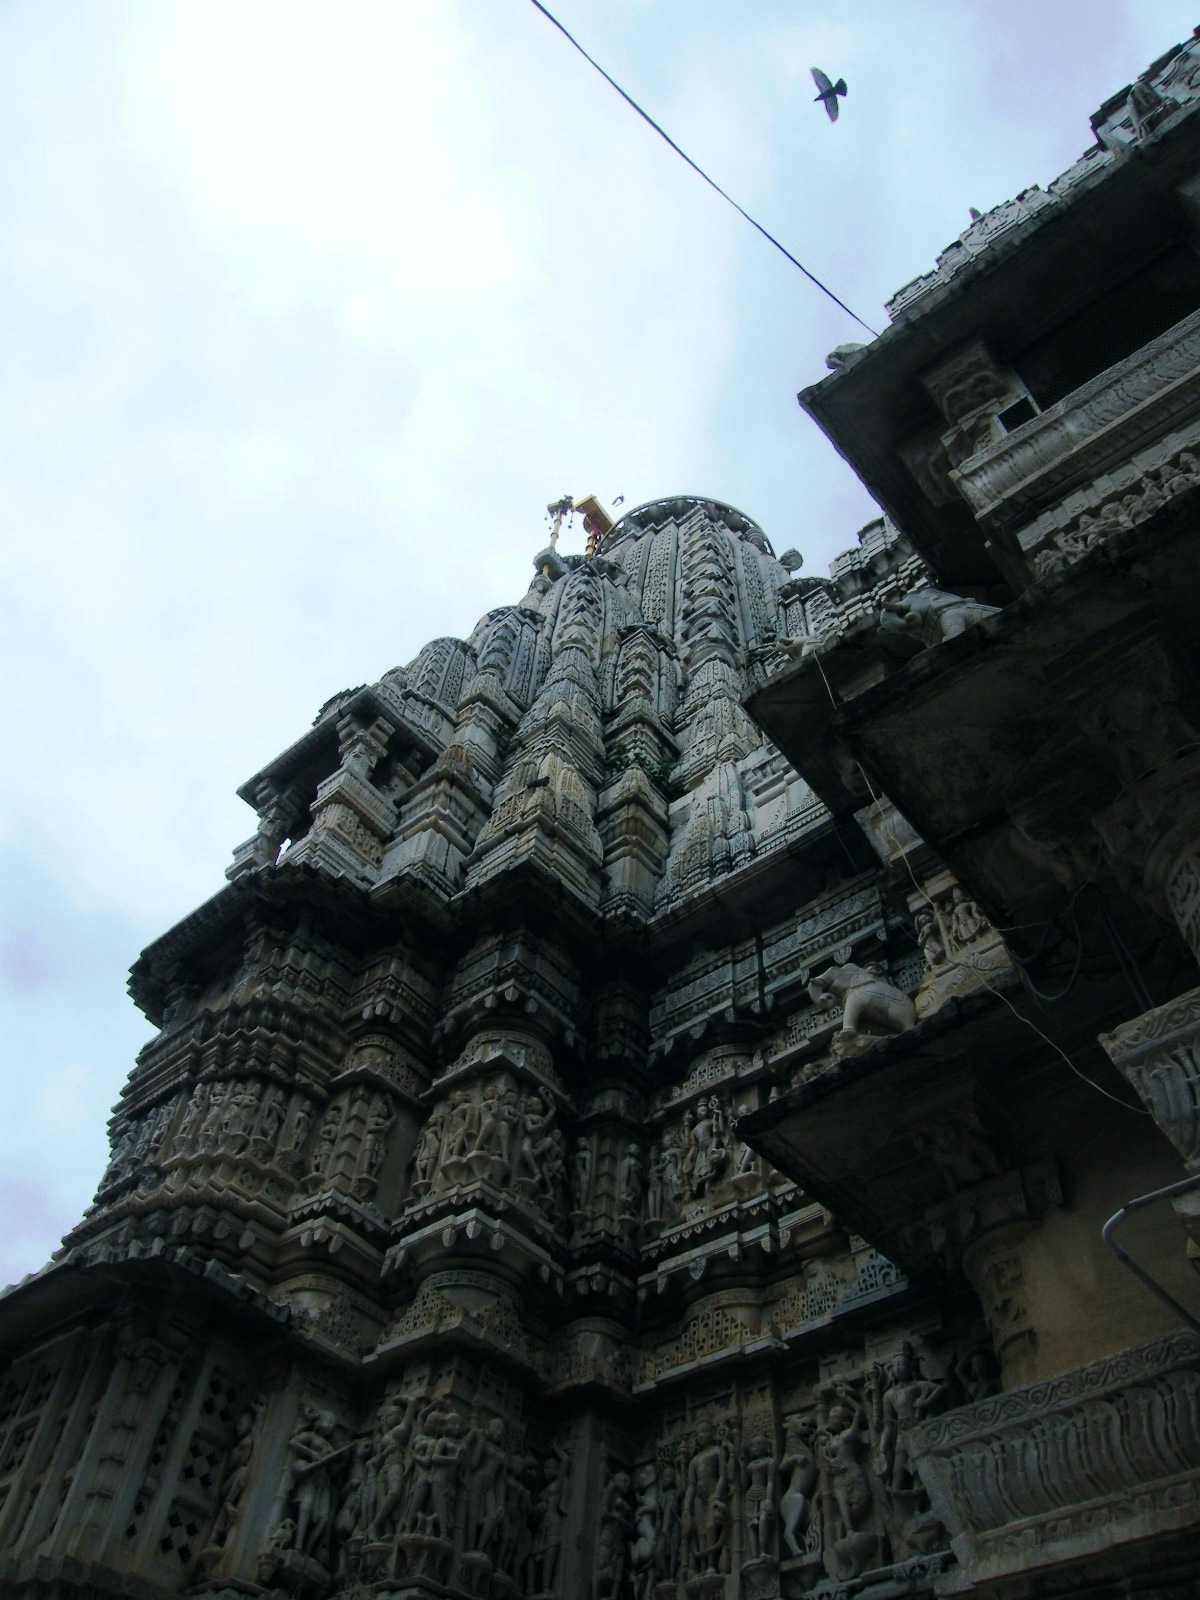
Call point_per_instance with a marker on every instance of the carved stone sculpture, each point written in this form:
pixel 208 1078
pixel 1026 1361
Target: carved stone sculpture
pixel 870 1004
pixel 932 615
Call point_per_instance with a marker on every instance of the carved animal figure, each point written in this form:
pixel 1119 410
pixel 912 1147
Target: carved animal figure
pixel 870 1004
pixel 934 615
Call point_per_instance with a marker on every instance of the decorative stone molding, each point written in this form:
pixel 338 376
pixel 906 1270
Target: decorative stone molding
pixel 1124 409
pixel 1024 1480
pixel 1159 1053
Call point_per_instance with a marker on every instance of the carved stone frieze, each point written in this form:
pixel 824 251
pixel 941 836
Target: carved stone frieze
pixel 1021 1479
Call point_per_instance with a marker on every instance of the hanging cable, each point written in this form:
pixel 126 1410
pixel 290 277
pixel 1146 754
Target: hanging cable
pixel 663 134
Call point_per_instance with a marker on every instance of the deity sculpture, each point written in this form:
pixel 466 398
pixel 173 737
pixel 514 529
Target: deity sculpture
pixel 706 1504
pixel 760 1497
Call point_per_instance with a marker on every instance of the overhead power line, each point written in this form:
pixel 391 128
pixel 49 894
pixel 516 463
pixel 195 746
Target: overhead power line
pixel 663 134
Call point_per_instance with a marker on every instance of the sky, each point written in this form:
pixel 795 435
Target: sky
pixel 306 313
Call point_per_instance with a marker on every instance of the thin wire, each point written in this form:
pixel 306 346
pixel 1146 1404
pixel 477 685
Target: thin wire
pixel 967 965
pixel 663 134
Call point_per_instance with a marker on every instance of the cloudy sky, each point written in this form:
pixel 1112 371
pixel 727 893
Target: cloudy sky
pixel 306 312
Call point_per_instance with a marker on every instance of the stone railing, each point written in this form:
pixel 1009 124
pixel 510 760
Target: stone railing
pixel 1028 1480
pixel 1123 410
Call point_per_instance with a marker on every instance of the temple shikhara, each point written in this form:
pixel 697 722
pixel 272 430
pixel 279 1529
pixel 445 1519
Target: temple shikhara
pixel 638 1121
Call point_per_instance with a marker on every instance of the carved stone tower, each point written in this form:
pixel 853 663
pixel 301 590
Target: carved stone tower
pixel 592 1152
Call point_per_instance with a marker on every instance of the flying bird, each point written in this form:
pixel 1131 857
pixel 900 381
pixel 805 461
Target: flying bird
pixel 827 92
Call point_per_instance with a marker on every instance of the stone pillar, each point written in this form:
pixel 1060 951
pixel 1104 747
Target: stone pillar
pixel 982 1230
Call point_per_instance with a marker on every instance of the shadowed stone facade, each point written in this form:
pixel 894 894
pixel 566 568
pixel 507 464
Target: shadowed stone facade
pixel 637 1122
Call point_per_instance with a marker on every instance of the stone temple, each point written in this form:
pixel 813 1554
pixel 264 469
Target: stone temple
pixel 638 1122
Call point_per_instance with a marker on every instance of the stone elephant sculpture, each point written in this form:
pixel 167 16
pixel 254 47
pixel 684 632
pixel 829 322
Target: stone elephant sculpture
pixel 933 615
pixel 870 1004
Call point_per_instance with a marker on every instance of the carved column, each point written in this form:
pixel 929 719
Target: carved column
pixel 983 1230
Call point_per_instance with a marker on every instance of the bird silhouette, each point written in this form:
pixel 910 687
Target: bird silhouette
pixel 827 92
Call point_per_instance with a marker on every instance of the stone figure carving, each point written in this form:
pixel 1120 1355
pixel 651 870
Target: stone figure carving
pixel 270 1122
pixel 966 920
pixel 760 1497
pixel 355 1519
pixel 549 1524
pixel 870 1004
pixel 391 1463
pixel 612 1546
pixel 487 1472
pixel 379 1121
pixel 305 1500
pixel 326 1140
pixel 929 937
pixel 629 1183
pixel 643 1548
pixel 799 1468
pixel 706 1505
pixel 581 1174
pixel 706 1147
pixel 853 1544
pixel 906 1399
pixel 932 615
pixel 670 1523
pixel 424 1161
pixel 237 1475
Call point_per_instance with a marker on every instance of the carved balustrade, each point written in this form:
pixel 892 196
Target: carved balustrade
pixel 1025 1480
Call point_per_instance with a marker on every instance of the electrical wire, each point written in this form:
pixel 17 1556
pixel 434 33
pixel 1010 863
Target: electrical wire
pixel 663 134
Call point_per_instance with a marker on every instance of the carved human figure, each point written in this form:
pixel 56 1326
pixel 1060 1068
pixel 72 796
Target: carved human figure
pixel 670 1523
pixel 391 1464
pixel 210 1129
pixel 497 1118
pixel 708 1145
pixel 326 1139
pixel 418 1505
pixel 535 1136
pixel 706 1502
pixel 905 1401
pixel 487 1481
pixel 301 1123
pixel 870 1004
pixel 929 937
pixel 760 1497
pixel 672 1174
pixel 189 1123
pixel 799 1469
pixel 241 1107
pixel 356 1515
pixel 270 1119
pixel 425 1156
pixel 237 1475
pixel 379 1120
pixel 966 919
pixel 581 1174
pixel 629 1182
pixel 846 1442
pixel 612 1546
pixel 549 1524
pixel 644 1545
pixel 654 1184
pixel 445 1465
pixel 305 1494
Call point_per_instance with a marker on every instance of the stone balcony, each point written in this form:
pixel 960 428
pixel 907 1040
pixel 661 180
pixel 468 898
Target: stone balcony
pixel 1090 431
pixel 1051 1485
